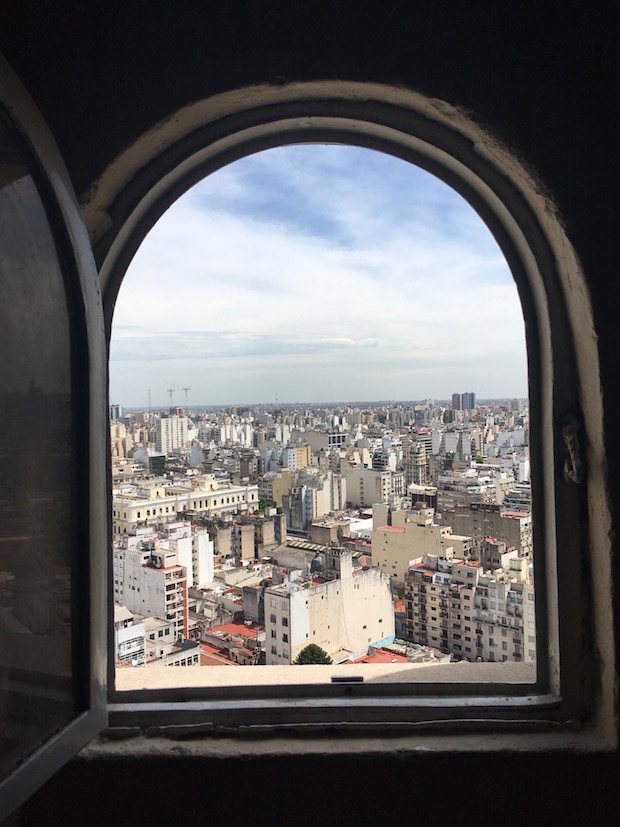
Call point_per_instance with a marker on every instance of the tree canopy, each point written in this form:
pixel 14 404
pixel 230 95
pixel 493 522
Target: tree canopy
pixel 312 654
pixel 264 503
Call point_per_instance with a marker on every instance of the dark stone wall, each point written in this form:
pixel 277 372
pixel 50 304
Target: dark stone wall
pixel 419 790
pixel 542 76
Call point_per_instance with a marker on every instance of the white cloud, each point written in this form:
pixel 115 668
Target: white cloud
pixel 314 271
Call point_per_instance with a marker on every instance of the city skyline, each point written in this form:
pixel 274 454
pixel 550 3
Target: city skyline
pixel 317 272
pixel 177 403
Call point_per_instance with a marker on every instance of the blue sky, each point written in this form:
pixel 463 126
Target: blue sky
pixel 317 273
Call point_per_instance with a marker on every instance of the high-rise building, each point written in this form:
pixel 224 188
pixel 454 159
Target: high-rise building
pixel 149 581
pixel 468 401
pixel 171 433
pixel 472 614
pixel 414 462
pixel 456 401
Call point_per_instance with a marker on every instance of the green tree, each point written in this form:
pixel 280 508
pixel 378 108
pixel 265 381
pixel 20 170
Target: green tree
pixel 312 654
pixel 264 503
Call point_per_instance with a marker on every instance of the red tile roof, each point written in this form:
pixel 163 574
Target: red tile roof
pixel 380 656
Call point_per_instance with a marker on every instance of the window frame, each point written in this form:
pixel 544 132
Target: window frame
pixel 570 501
pixel 89 398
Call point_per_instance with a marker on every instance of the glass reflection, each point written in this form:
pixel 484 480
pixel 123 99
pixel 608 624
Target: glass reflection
pixel 36 535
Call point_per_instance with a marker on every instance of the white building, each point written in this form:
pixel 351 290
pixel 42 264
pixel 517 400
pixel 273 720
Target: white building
pixel 163 647
pixel 344 616
pixel 129 638
pixel 195 553
pixel 149 581
pixel 171 433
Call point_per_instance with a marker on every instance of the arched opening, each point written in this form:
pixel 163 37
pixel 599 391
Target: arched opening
pixel 303 286
pixel 564 394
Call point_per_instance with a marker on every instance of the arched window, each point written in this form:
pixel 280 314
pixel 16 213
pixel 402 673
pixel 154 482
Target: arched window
pixel 331 274
pixel 574 686
pixel 564 396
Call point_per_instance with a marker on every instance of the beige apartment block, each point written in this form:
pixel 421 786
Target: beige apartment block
pixel 282 484
pixel 303 456
pixel 410 536
pixel 474 615
pixel 365 486
pixel 483 520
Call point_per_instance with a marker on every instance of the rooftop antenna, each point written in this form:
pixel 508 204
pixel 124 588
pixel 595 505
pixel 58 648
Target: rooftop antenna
pixel 187 390
pixel 149 403
pixel 170 392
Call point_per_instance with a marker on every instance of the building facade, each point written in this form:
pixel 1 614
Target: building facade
pixel 149 581
pixel 343 616
pixel 171 433
pixel 471 614
pixel 131 512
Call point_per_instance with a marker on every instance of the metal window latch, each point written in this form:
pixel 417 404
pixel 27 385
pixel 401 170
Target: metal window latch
pixel 573 468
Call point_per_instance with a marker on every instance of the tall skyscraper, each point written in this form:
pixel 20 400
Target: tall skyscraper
pixel 469 401
pixel 456 401
pixel 171 433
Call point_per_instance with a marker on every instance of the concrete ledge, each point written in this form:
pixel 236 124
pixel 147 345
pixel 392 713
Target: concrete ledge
pixel 162 677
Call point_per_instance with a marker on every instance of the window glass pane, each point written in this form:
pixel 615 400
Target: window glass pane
pixel 36 520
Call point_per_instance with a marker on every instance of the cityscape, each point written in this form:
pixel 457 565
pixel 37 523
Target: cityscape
pixel 279 534
pixel 276 532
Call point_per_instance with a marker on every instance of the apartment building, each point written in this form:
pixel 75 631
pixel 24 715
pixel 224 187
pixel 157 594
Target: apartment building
pixel 366 486
pixel 194 550
pixel 171 433
pixel 342 616
pixel 482 520
pixel 129 638
pixel 400 536
pixel 304 503
pixel 472 614
pixel 164 648
pixel 414 462
pixel 149 581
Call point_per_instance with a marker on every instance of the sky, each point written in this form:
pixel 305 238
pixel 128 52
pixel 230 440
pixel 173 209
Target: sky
pixel 317 273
